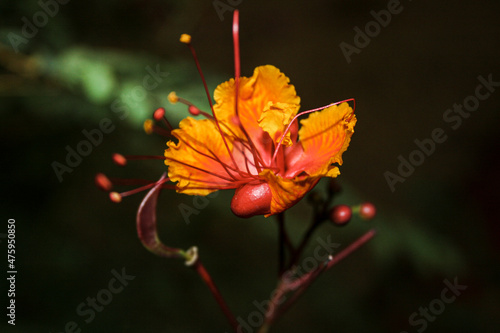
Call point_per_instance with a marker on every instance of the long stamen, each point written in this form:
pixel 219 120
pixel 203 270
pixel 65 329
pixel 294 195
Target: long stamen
pixel 159 115
pixel 306 112
pixel 187 41
pixel 193 109
pixel 237 73
pixel 121 160
pixel 117 197
pixel 150 127
pixel 202 170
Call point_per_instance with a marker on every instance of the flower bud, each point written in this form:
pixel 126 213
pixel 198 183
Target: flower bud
pixel 367 210
pixel 340 214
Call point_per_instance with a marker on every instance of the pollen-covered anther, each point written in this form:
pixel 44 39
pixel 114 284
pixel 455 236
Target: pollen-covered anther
pixel 119 159
pixel 148 126
pixel 172 97
pixel 115 197
pixel 185 38
pixel 103 182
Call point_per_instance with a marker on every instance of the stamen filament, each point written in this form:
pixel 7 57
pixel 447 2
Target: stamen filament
pixel 237 73
pixel 200 169
pixel 159 115
pixel 191 48
pixel 139 189
pixel 213 157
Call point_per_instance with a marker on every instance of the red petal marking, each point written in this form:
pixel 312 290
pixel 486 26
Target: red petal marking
pixel 250 200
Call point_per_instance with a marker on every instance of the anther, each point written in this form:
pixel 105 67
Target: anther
pixel 185 38
pixel 103 182
pixel 159 114
pixel 148 126
pixel 119 159
pixel 115 197
pixel 194 110
pixel 173 98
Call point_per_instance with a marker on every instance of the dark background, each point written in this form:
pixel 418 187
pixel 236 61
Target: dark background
pixel 440 224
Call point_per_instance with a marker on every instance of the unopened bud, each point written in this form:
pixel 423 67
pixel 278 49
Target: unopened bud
pixel 340 214
pixel 367 210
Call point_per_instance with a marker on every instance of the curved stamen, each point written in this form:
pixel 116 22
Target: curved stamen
pixel 191 48
pixel 117 197
pixel 306 112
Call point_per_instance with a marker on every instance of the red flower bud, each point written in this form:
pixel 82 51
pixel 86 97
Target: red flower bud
pixel 367 210
pixel 340 214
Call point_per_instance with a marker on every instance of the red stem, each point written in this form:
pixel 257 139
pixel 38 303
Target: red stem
pixel 200 269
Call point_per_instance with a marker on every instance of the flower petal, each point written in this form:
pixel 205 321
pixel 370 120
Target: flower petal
pixel 266 85
pixel 324 136
pixel 287 192
pixel 199 162
pixel 275 118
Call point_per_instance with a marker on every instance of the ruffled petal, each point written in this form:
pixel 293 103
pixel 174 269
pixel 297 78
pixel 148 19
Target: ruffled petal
pixel 266 85
pixel 324 136
pixel 287 192
pixel 275 118
pixel 199 162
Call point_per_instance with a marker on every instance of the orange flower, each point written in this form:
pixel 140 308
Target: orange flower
pixel 251 141
pixel 259 150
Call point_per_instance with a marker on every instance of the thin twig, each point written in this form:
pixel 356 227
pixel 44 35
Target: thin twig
pixel 281 243
pixel 200 269
pixel 310 277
